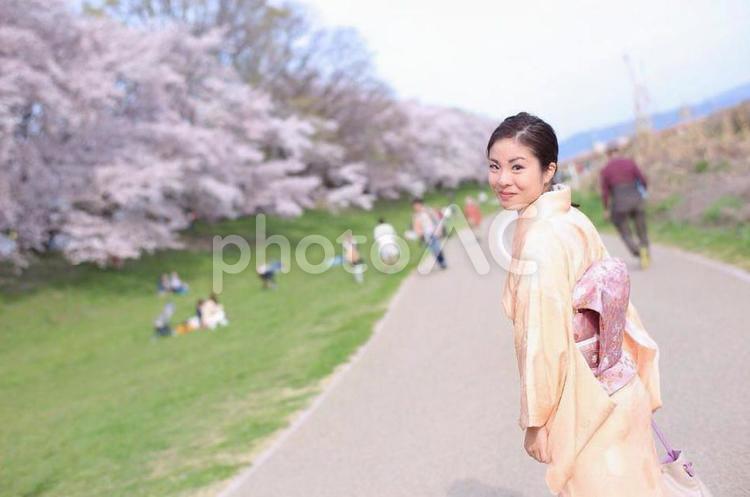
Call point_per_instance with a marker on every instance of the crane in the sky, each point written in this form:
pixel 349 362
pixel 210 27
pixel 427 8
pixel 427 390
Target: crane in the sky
pixel 640 98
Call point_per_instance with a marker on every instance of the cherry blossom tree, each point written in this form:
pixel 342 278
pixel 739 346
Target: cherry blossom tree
pixel 113 138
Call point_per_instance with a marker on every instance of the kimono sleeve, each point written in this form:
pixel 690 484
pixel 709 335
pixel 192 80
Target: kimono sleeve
pixel 542 326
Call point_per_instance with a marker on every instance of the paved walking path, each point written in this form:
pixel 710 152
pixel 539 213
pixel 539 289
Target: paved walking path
pixel 429 406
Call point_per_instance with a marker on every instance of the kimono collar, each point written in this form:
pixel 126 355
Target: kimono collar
pixel 548 203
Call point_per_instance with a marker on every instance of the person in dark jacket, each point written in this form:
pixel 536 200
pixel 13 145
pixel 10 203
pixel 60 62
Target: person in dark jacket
pixel 623 184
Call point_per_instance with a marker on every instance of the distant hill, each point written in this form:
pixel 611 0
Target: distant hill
pixel 584 141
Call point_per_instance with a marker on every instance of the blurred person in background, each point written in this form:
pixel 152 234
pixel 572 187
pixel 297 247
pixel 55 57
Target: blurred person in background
pixel 352 258
pixel 176 284
pixel 212 313
pixel 163 286
pixel 162 326
pixel 385 238
pixel 473 215
pixel 426 225
pixel 267 273
pixel 623 188
pixel 198 306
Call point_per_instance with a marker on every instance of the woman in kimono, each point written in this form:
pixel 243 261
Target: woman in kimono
pixel 596 442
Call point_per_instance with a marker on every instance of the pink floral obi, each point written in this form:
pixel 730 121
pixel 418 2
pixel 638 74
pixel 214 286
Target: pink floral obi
pixel 600 302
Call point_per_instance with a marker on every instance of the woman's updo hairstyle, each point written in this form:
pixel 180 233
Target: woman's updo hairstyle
pixel 531 131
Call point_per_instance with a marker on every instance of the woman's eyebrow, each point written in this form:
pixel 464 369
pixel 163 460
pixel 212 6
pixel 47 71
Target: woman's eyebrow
pixel 516 158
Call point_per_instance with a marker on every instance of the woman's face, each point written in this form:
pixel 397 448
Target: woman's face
pixel 515 174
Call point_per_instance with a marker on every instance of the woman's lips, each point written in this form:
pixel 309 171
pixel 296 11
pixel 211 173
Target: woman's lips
pixel 506 196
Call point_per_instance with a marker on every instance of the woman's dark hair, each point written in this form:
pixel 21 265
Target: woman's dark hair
pixel 532 132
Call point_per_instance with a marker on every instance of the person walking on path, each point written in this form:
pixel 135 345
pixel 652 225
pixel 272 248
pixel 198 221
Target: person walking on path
pixel 426 225
pixel 622 183
pixel 593 433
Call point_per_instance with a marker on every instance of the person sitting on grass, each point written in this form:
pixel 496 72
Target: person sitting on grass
pixel 267 273
pixel 352 258
pixel 212 313
pixel 198 306
pixel 163 286
pixel 162 327
pixel 177 285
pixel 385 238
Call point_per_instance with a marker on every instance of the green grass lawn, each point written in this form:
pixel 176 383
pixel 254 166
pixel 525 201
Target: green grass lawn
pixel 94 405
pixel 730 244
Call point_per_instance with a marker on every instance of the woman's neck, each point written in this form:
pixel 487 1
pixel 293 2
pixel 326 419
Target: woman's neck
pixel 523 209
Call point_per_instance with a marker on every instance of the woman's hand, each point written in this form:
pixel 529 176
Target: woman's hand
pixel 535 443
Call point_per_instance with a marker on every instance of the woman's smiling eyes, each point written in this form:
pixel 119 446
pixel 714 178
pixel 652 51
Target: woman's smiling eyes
pixel 514 167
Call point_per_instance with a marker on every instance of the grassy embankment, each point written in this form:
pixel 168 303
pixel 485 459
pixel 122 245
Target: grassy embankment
pixel 727 243
pixel 94 405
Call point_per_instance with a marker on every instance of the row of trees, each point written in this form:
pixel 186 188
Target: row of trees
pixel 121 125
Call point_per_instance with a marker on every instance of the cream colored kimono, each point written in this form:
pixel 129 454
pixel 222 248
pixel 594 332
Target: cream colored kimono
pixel 600 446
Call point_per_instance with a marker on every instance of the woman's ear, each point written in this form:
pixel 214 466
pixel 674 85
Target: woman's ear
pixel 549 173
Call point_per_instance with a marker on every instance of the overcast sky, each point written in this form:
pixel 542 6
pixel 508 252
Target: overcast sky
pixel 561 60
